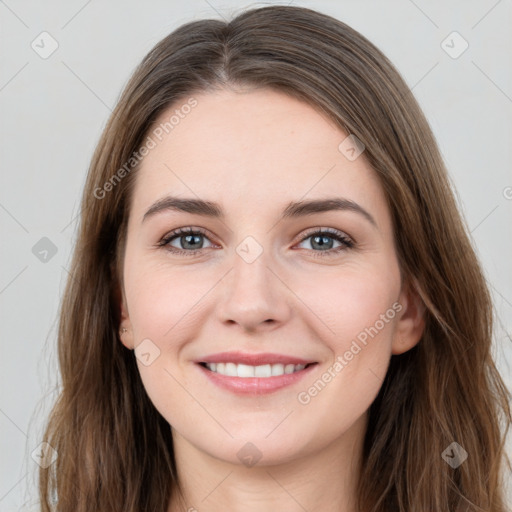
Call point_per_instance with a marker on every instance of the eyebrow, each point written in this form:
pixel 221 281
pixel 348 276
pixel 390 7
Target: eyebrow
pixel 292 210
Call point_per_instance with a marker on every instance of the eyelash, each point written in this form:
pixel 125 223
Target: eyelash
pixel 347 243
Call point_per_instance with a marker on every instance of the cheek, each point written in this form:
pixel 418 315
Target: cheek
pixel 161 301
pixel 360 309
pixel 350 301
pixel 161 306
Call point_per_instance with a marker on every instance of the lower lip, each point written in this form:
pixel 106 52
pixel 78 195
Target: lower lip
pixel 255 385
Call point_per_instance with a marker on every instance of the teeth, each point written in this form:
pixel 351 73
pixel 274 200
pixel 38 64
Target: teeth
pixel 277 369
pixel 245 370
pixel 230 370
pixel 289 368
pixel 264 370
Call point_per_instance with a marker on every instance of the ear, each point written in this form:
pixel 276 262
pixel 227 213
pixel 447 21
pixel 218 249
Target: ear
pixel 411 321
pixel 125 327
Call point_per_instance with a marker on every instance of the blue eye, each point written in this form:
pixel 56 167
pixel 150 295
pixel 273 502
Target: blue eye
pixel 188 238
pixel 322 240
pixel 191 241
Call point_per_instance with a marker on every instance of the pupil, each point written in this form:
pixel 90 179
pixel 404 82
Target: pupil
pixel 188 243
pixel 323 242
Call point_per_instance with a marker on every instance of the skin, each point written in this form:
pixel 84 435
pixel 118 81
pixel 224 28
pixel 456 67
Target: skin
pixel 253 151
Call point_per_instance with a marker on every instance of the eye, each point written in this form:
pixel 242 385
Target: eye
pixel 322 240
pixel 189 241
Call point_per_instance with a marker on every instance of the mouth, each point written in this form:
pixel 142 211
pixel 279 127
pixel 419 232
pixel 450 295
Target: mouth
pixel 246 371
pixel 245 379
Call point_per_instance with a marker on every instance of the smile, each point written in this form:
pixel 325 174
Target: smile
pixel 244 379
pixel 247 371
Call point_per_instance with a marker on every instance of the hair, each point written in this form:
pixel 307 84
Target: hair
pixel 115 451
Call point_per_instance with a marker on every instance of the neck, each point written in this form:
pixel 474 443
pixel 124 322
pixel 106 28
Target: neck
pixel 324 480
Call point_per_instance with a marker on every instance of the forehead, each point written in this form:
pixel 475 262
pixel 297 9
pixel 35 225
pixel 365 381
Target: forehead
pixel 252 148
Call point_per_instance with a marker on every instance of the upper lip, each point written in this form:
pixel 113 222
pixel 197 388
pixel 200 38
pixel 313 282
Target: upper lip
pixel 253 359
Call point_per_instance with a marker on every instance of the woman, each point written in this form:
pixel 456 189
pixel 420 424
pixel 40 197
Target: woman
pixel 274 304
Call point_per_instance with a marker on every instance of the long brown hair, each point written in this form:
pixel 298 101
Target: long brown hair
pixel 115 450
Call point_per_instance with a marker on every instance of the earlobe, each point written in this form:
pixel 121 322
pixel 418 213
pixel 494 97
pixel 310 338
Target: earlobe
pixel 125 328
pixel 126 337
pixel 411 323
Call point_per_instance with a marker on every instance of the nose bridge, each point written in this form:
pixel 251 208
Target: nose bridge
pixel 254 295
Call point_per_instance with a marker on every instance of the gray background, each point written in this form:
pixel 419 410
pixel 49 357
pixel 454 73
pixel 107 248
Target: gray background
pixel 53 111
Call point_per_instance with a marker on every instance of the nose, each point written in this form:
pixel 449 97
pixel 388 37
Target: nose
pixel 255 298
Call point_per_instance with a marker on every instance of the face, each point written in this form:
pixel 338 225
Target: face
pixel 261 278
